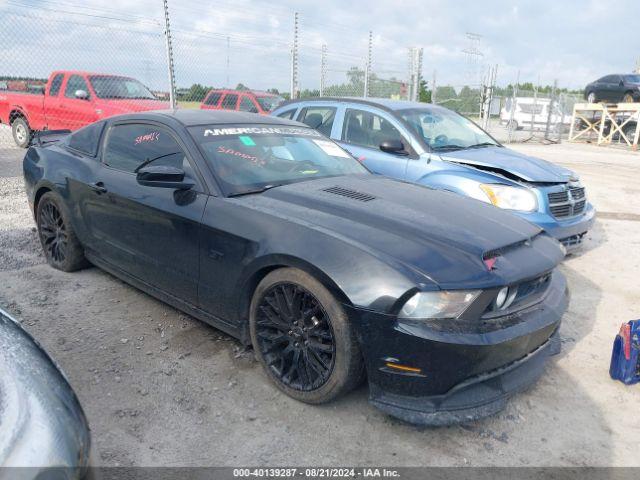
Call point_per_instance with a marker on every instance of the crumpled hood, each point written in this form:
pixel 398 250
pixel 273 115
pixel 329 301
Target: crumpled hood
pixel 528 168
pixel 441 235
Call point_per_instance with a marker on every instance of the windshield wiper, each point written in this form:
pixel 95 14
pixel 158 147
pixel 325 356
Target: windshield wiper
pixel 255 190
pixel 448 147
pixel 483 144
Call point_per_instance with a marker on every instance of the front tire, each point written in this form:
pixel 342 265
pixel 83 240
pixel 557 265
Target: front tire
pixel 627 98
pixel 302 337
pixel 61 247
pixel 21 132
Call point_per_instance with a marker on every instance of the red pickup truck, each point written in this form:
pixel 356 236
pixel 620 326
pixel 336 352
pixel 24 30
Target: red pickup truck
pixel 72 100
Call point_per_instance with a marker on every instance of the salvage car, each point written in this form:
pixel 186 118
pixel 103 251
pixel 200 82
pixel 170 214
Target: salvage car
pixel 434 146
pixel 624 87
pixel 45 433
pixel 251 101
pixel 271 232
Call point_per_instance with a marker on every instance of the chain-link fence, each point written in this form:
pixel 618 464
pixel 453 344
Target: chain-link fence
pixel 49 49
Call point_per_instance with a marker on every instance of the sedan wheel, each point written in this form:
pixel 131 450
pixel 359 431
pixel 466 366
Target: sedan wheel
pixel 591 98
pixel 302 337
pixel 59 242
pixel 628 98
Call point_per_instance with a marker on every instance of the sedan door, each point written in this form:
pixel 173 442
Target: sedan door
pixel 362 133
pixel 150 233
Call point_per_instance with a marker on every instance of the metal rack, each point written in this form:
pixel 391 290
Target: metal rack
pixel 607 122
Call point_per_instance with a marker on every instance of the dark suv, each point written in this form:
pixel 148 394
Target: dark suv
pixel 614 88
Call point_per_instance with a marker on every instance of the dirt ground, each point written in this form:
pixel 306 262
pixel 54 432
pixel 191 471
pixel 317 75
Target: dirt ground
pixel 160 388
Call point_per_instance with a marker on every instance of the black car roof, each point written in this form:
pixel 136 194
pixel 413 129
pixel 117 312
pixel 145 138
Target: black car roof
pixel 192 117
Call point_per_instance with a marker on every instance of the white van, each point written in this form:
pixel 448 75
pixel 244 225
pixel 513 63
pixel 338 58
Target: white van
pixel 529 109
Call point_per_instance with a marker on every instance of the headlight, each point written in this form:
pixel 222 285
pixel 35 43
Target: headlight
pixel 510 198
pixel 440 304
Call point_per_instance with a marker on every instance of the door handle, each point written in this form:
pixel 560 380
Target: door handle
pixel 98 187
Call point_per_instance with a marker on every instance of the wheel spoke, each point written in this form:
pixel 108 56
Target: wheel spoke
pixel 295 337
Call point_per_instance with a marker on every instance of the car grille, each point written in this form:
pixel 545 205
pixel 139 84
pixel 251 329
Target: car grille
pixel 567 203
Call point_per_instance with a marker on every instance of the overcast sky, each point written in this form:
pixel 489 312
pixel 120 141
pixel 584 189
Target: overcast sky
pixel 571 41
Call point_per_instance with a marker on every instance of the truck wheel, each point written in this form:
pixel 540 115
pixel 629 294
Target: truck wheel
pixel 302 337
pixel 21 132
pixel 61 247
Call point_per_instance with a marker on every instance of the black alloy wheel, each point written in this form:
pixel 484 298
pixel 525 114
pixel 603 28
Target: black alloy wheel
pixel 295 337
pixel 53 233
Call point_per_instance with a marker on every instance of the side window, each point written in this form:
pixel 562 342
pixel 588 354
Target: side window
pixel 129 145
pixel 609 79
pixel 87 139
pixel 288 114
pixel 247 105
pixel 75 82
pixel 368 129
pixel 229 101
pixel 56 83
pixel 320 118
pixel 213 99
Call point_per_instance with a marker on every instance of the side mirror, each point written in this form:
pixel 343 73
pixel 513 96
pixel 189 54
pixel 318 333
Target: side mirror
pixel 395 147
pixel 82 95
pixel 163 176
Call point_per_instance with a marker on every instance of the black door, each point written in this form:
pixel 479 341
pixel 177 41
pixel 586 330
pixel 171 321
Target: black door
pixel 151 233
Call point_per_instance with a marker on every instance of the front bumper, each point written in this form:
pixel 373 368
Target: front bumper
pixel 463 376
pixel 570 232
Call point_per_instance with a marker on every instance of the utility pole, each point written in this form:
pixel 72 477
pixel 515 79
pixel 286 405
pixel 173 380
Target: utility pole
pixel 433 88
pixel 323 69
pixel 228 55
pixel 294 58
pixel 415 72
pixel 514 99
pixel 367 69
pixel 172 78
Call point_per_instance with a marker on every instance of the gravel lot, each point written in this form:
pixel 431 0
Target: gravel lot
pixel 160 388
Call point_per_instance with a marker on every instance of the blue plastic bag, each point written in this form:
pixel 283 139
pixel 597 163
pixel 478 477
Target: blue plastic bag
pixel 625 358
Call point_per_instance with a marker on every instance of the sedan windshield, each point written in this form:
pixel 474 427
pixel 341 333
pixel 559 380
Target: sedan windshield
pixel 446 130
pixel 114 87
pixel 251 159
pixel 270 102
pixel 632 78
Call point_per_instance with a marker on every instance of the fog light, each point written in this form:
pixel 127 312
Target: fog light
pixel 501 299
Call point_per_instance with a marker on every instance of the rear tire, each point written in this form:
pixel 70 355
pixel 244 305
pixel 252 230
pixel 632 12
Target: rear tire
pixel 627 98
pixel 591 98
pixel 302 337
pixel 21 132
pixel 61 247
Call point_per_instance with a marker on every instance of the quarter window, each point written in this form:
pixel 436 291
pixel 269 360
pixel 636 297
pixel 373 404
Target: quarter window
pixel 368 129
pixel 229 102
pixel 213 98
pixel 86 139
pixel 128 146
pixel 320 118
pixel 75 83
pixel 247 105
pixel 56 83
pixel 288 114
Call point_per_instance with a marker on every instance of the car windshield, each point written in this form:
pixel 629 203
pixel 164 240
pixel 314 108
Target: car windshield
pixel 446 130
pixel 248 159
pixel 119 87
pixel 633 78
pixel 270 102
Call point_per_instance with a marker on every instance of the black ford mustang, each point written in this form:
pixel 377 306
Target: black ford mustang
pixel 271 232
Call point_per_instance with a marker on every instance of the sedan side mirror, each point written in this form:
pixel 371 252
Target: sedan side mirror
pixel 163 176
pixel 395 147
pixel 82 95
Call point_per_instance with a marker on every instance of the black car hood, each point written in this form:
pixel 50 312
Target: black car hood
pixel 527 168
pixel 442 235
